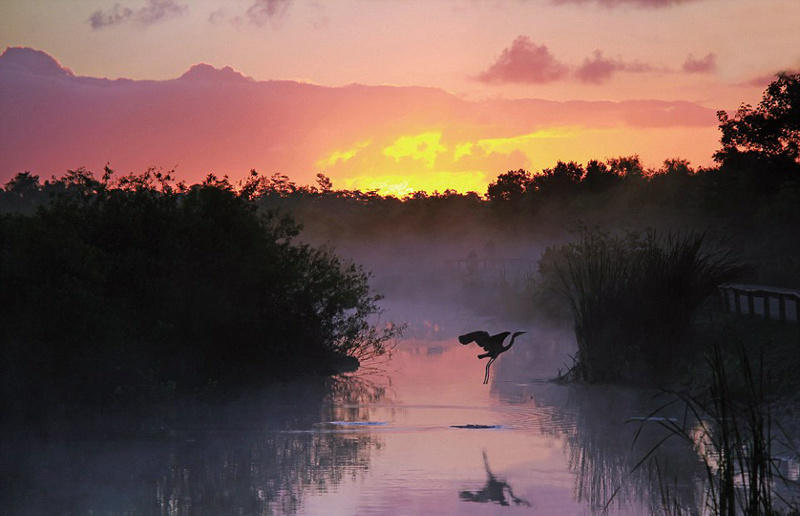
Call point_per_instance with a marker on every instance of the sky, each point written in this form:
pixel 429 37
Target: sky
pixel 395 95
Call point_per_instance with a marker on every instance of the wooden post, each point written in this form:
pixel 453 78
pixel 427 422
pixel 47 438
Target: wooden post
pixel 726 300
pixel 751 308
pixel 766 307
pixel 782 307
pixel 797 309
pixel 737 302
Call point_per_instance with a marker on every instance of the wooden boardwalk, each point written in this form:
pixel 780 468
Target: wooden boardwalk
pixel 475 264
pixel 771 303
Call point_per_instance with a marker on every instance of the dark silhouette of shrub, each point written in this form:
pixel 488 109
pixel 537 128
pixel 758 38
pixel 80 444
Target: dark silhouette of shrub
pixel 116 284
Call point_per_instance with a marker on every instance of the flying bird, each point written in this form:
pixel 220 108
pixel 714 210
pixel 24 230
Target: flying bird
pixel 492 344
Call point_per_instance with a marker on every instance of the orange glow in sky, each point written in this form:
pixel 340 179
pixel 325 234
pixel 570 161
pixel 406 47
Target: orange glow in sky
pixel 477 88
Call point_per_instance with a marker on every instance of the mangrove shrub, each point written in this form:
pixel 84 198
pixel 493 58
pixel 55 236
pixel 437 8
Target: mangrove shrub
pixel 137 281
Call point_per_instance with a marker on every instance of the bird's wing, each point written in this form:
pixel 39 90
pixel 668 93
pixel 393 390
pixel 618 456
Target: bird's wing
pixel 481 338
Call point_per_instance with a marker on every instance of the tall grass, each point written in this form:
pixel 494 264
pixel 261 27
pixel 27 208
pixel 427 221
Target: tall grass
pixel 633 298
pixel 731 425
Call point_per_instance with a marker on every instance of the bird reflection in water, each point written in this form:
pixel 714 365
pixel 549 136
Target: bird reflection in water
pixel 496 491
pixel 492 344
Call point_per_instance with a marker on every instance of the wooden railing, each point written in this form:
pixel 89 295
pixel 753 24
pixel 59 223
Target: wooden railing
pixel 474 264
pixel 769 303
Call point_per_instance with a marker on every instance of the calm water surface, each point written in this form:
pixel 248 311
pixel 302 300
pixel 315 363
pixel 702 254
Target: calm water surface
pixel 416 434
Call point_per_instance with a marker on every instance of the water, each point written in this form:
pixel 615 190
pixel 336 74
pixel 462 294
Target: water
pixel 417 434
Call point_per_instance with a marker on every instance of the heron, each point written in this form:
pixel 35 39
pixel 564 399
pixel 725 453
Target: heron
pixel 492 344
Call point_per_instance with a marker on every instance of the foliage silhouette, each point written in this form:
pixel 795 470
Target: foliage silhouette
pixel 114 284
pixel 633 298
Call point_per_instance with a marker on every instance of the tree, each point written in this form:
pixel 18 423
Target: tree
pixel 598 177
pixel 559 180
pixel 770 130
pixel 509 187
pixel 324 183
pixel 677 167
pixel 627 167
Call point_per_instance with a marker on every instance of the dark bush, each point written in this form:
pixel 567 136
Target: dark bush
pixel 113 285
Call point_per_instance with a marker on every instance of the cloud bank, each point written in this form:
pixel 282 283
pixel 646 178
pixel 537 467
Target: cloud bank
pixel 216 120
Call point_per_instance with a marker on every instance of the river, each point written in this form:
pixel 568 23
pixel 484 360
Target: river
pixel 416 433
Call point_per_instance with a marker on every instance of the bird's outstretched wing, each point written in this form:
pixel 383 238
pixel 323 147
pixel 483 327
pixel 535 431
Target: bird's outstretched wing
pixel 481 338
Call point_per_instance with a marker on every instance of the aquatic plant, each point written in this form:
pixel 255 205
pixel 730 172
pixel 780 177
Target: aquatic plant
pixel 633 298
pixel 731 425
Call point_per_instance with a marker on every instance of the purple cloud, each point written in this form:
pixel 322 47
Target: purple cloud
pixel 263 11
pixel 705 65
pixel 599 68
pixel 153 12
pixel 525 61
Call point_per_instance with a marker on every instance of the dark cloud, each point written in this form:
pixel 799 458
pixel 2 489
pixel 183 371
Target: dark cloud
pixel 704 65
pixel 263 11
pixel 526 62
pixel 153 12
pixel 599 68
pixel 635 3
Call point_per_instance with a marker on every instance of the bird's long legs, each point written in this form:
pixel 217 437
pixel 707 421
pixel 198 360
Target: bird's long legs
pixel 486 377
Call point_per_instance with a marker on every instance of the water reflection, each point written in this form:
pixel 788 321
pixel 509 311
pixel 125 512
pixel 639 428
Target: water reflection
pixel 496 490
pixel 609 444
pixel 259 454
pixel 400 441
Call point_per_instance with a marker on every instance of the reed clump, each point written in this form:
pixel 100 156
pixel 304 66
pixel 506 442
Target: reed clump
pixel 633 298
pixel 731 425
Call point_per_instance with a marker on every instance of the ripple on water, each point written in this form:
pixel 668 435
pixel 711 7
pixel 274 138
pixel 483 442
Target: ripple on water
pixel 479 427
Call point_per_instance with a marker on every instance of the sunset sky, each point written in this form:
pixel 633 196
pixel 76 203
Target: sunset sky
pixel 391 94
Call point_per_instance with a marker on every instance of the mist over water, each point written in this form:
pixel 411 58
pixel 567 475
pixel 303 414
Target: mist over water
pixel 413 433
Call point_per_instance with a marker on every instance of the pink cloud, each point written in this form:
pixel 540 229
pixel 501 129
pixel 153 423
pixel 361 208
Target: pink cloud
pixel 635 3
pixel 526 62
pixel 599 68
pixel 704 65
pixel 154 11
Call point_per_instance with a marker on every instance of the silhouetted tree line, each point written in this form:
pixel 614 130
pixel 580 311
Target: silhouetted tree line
pixel 752 194
pixel 107 285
